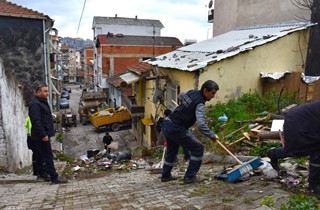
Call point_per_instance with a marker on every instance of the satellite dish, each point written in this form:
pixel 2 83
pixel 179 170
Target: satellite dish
pixel 210 3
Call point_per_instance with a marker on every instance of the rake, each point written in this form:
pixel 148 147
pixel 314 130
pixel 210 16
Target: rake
pixel 243 168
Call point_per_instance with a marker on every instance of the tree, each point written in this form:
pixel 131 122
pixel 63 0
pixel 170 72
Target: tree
pixel 312 67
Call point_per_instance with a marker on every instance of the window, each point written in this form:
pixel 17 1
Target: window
pixel 173 91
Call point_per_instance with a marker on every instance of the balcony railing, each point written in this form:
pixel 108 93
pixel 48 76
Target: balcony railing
pixel 132 106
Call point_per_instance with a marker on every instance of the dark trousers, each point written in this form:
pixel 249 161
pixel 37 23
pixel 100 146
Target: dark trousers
pixel 314 162
pixel 179 136
pixel 46 156
pixel 37 166
pixel 186 153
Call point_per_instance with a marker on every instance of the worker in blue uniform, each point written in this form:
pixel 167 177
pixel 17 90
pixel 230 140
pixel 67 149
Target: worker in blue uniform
pixel 301 137
pixel 175 128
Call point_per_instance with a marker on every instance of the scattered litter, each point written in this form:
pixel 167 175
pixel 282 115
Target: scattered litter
pixel 76 168
pixel 267 170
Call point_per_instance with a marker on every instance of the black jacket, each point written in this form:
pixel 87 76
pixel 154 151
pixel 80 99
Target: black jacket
pixel 184 114
pixel 302 128
pixel 41 119
pixel 107 139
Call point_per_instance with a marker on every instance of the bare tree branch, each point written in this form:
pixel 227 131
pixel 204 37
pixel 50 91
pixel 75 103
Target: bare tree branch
pixel 303 4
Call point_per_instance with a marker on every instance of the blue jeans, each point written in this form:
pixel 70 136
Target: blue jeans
pixel 180 136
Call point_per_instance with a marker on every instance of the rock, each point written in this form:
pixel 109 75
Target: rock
pixel 140 152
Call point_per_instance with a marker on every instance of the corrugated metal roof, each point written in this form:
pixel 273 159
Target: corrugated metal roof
pixel 201 54
pixel 126 21
pixel 139 40
pixel 10 9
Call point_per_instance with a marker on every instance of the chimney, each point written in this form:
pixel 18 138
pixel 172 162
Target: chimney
pixel 136 16
pixel 116 16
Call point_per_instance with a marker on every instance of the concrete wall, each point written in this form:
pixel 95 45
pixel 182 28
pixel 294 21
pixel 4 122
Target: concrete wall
pixel 239 13
pixel 14 152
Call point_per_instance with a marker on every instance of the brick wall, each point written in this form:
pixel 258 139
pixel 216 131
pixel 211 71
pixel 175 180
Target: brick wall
pixel 116 59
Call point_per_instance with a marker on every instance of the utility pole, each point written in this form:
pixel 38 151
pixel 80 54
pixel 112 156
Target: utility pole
pixel 313 54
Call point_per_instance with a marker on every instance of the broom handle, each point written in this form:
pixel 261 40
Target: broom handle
pixel 239 161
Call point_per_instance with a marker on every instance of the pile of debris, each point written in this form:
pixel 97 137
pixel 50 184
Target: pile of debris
pixel 258 131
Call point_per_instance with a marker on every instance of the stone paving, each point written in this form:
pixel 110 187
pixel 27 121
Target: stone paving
pixel 137 189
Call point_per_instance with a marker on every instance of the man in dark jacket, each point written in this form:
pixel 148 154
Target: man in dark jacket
pixel 42 129
pixel 301 137
pixel 175 128
pixel 107 140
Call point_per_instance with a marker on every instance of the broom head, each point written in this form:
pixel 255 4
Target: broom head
pixel 243 169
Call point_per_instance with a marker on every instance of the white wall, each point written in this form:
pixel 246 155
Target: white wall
pixel 14 152
pixel 127 30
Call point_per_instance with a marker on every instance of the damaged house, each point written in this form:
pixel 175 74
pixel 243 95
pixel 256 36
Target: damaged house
pixel 235 60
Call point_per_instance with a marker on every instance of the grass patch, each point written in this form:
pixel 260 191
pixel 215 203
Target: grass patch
pixel 249 106
pixel 301 202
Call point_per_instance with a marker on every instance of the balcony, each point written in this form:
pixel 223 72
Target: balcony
pixel 132 106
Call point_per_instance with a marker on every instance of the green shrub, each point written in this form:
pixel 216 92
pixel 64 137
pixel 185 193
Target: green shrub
pixel 300 202
pixel 59 137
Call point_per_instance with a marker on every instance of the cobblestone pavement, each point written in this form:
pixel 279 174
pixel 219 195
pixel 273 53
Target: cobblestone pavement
pixel 138 189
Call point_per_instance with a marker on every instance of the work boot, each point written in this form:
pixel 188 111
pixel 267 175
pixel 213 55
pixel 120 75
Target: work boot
pixel 191 180
pixel 273 161
pixel 167 179
pixel 59 180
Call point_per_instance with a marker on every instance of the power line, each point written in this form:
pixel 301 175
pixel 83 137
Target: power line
pixel 84 5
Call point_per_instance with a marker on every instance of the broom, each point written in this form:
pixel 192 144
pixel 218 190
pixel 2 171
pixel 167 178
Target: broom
pixel 243 168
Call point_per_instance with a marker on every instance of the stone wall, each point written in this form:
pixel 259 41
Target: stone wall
pixel 22 52
pixel 14 152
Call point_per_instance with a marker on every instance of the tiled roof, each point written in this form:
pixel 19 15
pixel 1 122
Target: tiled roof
pixel 115 80
pixel 140 68
pixel 126 21
pixel 139 40
pixel 10 9
pixel 202 54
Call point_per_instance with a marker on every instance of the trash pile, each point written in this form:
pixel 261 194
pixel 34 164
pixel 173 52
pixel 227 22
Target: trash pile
pixel 96 163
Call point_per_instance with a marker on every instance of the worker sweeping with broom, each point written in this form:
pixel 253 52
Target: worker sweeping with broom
pixel 175 128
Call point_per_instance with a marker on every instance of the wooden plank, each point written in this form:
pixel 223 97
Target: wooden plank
pixel 236 141
pixel 233 132
pixel 256 129
pixel 249 142
pixel 268 135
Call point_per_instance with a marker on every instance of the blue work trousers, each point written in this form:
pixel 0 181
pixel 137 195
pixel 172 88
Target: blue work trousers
pixel 314 162
pixel 45 151
pixel 180 136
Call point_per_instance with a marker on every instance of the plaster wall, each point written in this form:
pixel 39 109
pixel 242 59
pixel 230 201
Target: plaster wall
pixel 14 152
pixel 240 74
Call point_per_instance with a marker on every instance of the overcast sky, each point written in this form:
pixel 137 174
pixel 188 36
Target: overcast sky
pixel 184 19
